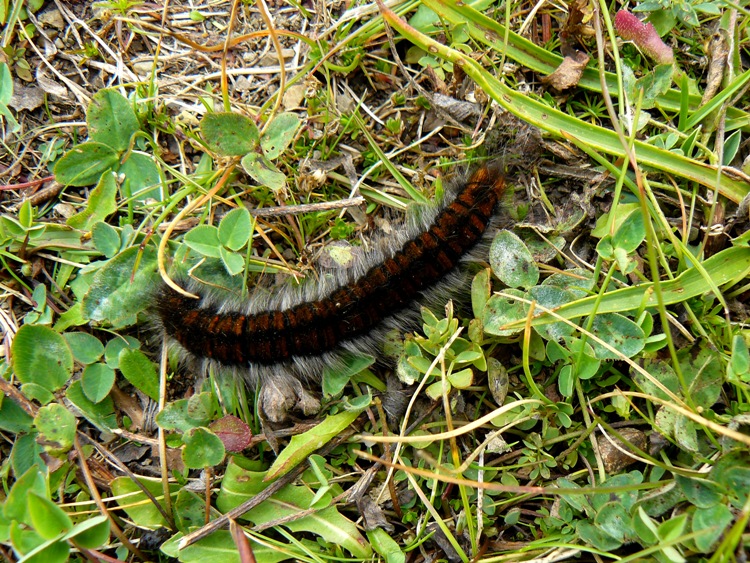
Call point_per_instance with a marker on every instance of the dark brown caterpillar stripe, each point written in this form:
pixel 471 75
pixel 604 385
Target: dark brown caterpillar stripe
pixel 314 328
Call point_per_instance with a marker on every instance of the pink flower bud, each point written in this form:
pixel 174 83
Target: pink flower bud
pixel 644 36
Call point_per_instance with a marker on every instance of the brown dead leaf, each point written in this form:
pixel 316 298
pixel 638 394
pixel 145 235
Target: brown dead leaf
pixel 569 72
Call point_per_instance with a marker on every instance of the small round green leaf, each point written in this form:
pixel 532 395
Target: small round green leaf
pixel 97 381
pixel 279 134
pixel 230 134
pixel 49 519
pixel 141 176
pixel 91 533
pixel 101 415
pixel 111 119
pixel 512 262
pixel 236 228
pixel 233 262
pixel 41 356
pixel 621 333
pixel 115 346
pixel 202 449
pixel 501 311
pixel 57 428
pixel 106 239
pixel 86 348
pixel 204 239
pixel 84 165
pixel 140 371
pixel 263 171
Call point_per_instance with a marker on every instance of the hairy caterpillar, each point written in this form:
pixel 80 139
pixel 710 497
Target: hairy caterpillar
pixel 284 340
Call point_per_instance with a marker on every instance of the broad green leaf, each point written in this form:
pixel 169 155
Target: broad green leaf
pixel 204 239
pixel 111 119
pixel 645 527
pixel 619 332
pixel 51 551
pixel 236 228
pixel 710 524
pixel 177 416
pixel 101 414
pixel 233 261
pixel 57 428
pixel 552 297
pixel 593 535
pixel 25 453
pixel 137 505
pixel 115 346
pixel 728 266
pixel 613 519
pixel 279 134
pixel 263 171
pixel 106 239
pixel 84 164
pixel 141 179
pixel 202 448
pixel 15 506
pixel 702 370
pixel 501 311
pixel 336 378
pixel 41 356
pixel 91 533
pixel 480 292
pixel 13 419
pixel 97 381
pixel 512 262
pixel 140 372
pixel 386 546
pixel 219 547
pixel 328 522
pixel 86 348
pixel 700 492
pixel 230 134
pixel 302 445
pixel 116 293
pixel 49 520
